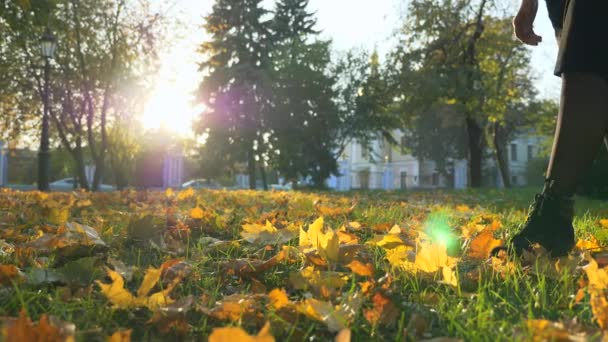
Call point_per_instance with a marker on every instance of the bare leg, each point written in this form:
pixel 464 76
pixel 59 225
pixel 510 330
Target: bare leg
pixel 581 128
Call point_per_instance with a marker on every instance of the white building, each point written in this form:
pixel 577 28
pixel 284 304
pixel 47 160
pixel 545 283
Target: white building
pixel 390 168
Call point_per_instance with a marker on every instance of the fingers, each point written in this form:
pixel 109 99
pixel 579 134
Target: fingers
pixel 524 29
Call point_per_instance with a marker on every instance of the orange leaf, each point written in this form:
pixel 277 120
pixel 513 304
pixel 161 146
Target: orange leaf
pixel 233 334
pixel 197 213
pixel 9 274
pixel 384 311
pixel 364 270
pixel 483 244
pixel 343 336
pixel 121 336
pixel 22 329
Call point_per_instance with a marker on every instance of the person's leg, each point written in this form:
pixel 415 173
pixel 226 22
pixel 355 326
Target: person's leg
pixel 581 128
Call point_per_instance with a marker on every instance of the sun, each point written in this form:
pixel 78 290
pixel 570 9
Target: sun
pixel 171 107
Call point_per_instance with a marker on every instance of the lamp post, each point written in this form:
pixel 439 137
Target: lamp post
pixel 48 45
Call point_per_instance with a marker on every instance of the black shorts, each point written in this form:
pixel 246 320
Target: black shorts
pixel 584 40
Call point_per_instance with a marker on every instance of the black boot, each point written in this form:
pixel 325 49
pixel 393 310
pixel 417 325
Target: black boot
pixel 549 224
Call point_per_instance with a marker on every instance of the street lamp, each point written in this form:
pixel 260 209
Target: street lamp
pixel 48 44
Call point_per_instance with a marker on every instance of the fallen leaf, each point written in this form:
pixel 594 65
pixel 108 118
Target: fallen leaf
pixel 197 213
pixel 267 234
pixel 361 269
pixel 22 329
pixel 343 336
pixel 544 330
pixel 278 299
pixel 10 274
pixel 483 244
pixel 383 312
pixel 432 257
pixel 121 336
pixel 235 334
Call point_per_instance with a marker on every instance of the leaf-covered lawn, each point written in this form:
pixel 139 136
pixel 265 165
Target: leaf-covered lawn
pixel 232 265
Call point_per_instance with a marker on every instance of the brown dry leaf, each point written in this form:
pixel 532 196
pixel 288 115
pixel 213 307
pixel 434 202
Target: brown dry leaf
pixel 22 329
pixel 343 336
pixel 327 211
pixel 334 317
pixel 173 317
pixel 361 269
pixel 236 307
pixel 347 238
pixel 121 336
pixel 235 334
pixel 249 267
pixel 317 280
pixel 544 330
pixel 483 244
pixel 383 312
pixel 417 325
pixel 10 274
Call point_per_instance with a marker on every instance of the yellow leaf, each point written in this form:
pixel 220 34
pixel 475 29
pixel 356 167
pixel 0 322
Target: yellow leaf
pixel 150 279
pixel 169 192
pixel 449 276
pixel 604 223
pixel 463 208
pixel 598 278
pixel 278 298
pixel 587 245
pixel 335 317
pixel 432 257
pixel 235 334
pixel 327 243
pixel 318 279
pixel 544 330
pixel 115 291
pixel 599 307
pixel 267 234
pixel 121 336
pixel 388 241
pixel 197 213
pixel 185 194
pixel 123 299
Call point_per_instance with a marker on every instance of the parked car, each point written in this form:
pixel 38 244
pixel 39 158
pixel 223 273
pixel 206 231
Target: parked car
pixel 67 184
pixel 201 184
pixel 281 187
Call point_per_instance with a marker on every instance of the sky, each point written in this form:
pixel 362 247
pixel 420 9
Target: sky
pixel 349 23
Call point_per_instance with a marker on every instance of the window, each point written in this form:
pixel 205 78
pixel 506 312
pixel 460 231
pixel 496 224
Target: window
pixel 530 152
pixel 514 152
pixel 514 180
pixel 364 153
pixel 435 179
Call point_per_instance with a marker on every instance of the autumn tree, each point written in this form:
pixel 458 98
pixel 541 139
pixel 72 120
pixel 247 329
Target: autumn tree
pixel 461 54
pixel 101 45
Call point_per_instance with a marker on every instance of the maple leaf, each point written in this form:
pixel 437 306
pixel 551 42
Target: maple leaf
pixel 326 242
pixel 432 257
pixel 123 299
pixel 384 311
pixel 588 245
pixel 317 280
pixel 483 244
pixel 336 317
pixel 22 329
pixel 232 334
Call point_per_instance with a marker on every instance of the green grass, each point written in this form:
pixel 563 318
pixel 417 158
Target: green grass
pixel 491 307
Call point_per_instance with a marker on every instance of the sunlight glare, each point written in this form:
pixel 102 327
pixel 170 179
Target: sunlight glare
pixel 171 108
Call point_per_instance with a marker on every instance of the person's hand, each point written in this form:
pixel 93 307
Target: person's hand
pixel 523 23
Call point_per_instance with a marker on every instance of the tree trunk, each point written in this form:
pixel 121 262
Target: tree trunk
pixel 251 169
pixel 264 180
pixel 475 135
pixel 80 167
pixel 501 156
